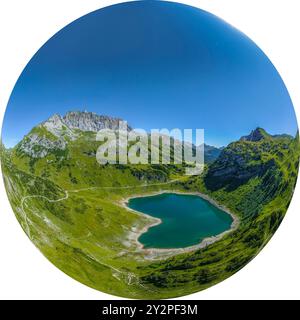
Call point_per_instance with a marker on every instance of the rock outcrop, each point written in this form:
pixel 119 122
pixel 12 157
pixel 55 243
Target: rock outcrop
pixel 89 121
pixel 55 133
pixel 57 126
pixel 38 146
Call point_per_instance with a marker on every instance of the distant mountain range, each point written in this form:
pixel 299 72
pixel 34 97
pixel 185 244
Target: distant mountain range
pixel 55 133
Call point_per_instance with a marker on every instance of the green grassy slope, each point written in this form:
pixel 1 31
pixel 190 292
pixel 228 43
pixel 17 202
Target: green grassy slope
pixel 260 201
pixel 69 206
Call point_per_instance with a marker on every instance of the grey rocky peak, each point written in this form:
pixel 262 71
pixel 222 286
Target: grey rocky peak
pixel 90 121
pixel 56 126
pixel 55 133
pixel 38 146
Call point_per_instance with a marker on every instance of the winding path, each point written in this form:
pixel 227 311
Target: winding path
pixel 129 277
pixel 66 196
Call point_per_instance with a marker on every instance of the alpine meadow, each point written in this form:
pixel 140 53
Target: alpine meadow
pixel 71 207
pixel 150 150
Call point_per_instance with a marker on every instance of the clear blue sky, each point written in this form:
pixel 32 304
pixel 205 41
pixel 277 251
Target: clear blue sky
pixel 156 65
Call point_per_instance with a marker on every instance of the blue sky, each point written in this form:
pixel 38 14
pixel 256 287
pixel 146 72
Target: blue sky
pixel 157 65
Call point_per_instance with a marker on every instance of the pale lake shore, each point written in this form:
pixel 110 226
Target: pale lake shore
pixel 158 253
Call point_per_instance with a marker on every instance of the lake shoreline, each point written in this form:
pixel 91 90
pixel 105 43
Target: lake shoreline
pixel 160 253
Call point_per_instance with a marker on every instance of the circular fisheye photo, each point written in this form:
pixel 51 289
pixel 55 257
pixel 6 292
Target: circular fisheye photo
pixel 150 150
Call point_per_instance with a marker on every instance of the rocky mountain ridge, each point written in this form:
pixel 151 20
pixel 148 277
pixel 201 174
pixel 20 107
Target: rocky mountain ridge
pixel 55 133
pixel 251 156
pixel 77 120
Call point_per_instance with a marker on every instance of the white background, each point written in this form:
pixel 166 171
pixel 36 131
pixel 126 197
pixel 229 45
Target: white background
pixel 25 25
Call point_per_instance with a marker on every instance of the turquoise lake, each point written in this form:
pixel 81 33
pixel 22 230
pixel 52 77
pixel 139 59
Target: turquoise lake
pixel 186 220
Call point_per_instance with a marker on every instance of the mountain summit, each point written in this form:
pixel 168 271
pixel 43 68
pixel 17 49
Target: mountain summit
pixel 78 120
pixel 54 134
pixel 256 135
pixel 90 121
pixel 259 134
